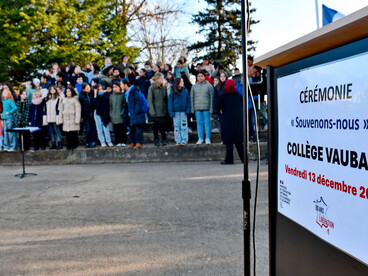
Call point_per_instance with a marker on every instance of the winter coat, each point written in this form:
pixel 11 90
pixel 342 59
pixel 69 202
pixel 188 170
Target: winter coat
pixel 157 101
pixel 216 95
pixel 117 104
pixel 181 69
pixel 70 114
pixel 102 103
pixel 122 67
pixel 134 104
pixel 52 105
pixel 201 96
pixel 144 84
pixel 10 107
pixel 87 104
pixel 230 104
pixel 179 103
pixel 36 113
pixel 217 73
pixel 21 116
pixel 105 80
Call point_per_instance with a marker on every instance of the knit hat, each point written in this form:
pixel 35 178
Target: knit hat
pixel 230 86
pixel 36 80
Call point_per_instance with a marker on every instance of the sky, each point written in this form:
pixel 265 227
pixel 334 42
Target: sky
pixel 281 21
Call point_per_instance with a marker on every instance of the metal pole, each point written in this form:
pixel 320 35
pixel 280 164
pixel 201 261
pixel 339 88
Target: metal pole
pixel 317 14
pixel 246 193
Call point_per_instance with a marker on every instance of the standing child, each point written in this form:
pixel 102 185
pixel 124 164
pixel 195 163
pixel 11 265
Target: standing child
pixel 21 116
pixel 143 82
pixel 102 114
pixel 117 105
pixel 53 102
pixel 88 108
pixel 157 102
pixel 137 117
pixel 70 116
pixel 201 104
pixel 36 119
pixel 179 107
pixel 9 108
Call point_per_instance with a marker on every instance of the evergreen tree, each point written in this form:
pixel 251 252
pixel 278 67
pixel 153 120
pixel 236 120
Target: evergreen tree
pixel 221 25
pixel 36 33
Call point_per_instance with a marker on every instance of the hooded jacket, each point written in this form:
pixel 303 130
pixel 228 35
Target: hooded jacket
pixel 201 97
pixel 70 114
pixel 230 104
pixel 179 102
pixel 157 101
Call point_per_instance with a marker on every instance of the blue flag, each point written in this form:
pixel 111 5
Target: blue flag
pixel 329 15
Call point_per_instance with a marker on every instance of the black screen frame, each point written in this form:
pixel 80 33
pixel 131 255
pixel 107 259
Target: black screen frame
pixel 293 249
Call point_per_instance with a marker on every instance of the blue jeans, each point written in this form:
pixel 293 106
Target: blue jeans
pixel 54 129
pixel 90 130
pixel 103 132
pixel 136 134
pixel 180 128
pixel 203 118
pixel 10 138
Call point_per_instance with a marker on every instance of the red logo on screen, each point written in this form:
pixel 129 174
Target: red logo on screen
pixel 321 219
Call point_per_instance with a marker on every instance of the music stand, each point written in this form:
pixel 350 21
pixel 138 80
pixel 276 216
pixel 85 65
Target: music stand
pixel 21 131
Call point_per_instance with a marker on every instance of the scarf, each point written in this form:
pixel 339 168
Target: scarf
pixel 37 101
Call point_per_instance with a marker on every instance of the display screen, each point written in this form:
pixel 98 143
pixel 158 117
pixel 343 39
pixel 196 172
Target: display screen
pixel 323 152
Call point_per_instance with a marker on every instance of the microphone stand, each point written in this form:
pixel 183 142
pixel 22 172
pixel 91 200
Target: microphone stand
pixel 246 191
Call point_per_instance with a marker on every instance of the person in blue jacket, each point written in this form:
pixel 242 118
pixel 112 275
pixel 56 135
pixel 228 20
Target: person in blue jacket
pixel 179 107
pixel 134 110
pixel 9 108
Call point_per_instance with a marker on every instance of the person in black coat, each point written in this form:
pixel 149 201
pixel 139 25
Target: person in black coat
pixel 86 99
pixel 230 104
pixel 143 82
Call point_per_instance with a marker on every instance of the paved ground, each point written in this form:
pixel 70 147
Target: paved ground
pixel 128 219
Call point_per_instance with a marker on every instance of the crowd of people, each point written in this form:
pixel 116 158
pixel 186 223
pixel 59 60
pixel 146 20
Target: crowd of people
pixel 69 101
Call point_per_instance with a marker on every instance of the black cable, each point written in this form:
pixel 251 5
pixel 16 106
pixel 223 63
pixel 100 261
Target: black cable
pixel 257 180
pixel 258 157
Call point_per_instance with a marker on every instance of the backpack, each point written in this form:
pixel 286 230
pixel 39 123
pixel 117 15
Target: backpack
pixel 144 102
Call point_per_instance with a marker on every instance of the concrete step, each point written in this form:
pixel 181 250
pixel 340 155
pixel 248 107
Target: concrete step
pixel 148 137
pixel 149 153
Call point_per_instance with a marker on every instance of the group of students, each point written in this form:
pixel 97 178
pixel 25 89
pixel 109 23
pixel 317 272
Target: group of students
pixel 75 101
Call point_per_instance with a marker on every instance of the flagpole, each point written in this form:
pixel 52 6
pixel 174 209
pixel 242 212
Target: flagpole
pixel 317 14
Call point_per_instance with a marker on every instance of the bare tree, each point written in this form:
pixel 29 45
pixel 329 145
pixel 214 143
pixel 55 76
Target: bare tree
pixel 156 33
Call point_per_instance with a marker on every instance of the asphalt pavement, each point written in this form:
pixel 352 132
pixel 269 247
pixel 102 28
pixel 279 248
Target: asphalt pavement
pixel 128 219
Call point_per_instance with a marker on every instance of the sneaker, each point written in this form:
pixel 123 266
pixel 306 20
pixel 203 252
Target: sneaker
pixel 163 143
pixel 138 146
pixel 215 130
pixel 208 141
pixel 10 150
pixel 118 145
pixel 110 144
pixel 200 141
pixel 87 146
pixel 156 143
pixel 60 146
pixel 103 145
pixel 177 144
pixel 131 145
pixel 227 163
pixel 122 145
pixel 93 145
